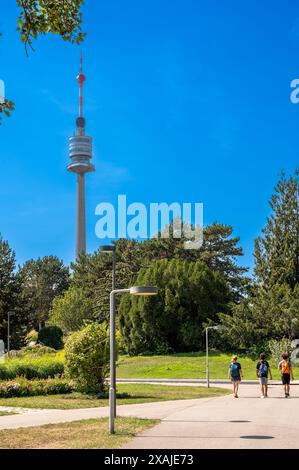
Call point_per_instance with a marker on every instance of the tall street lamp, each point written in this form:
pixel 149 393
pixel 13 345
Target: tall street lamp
pixel 9 314
pixel 215 327
pixel 136 290
pixel 112 249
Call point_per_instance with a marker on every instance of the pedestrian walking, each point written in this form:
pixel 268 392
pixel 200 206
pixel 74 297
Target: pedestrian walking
pixel 263 371
pixel 286 371
pixel 234 374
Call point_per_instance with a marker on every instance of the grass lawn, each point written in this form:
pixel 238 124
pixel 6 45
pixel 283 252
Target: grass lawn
pixel 136 393
pixel 185 366
pixel 6 413
pixel 86 434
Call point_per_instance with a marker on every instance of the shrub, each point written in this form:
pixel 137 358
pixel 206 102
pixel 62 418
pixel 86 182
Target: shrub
pixel 35 350
pixel 51 336
pixel 32 368
pixel 279 347
pixel 256 349
pixel 22 387
pixel 31 336
pixel 87 357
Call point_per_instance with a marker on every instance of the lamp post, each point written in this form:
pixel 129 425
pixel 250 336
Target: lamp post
pixel 112 249
pixel 136 290
pixel 9 314
pixel 215 327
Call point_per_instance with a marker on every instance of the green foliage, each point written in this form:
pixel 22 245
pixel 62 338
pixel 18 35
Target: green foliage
pixel 30 367
pixel 51 336
pixel 35 350
pixel 121 348
pixel 50 16
pixel 189 295
pixel 271 314
pixel 71 310
pixel 31 336
pixel 87 357
pixel 22 387
pixel 42 280
pixel 6 107
pixel 277 250
pixel 38 17
pixel 277 348
pixel 9 298
pixel 256 350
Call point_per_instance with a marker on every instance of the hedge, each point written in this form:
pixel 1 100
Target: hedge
pixel 31 368
pixel 22 387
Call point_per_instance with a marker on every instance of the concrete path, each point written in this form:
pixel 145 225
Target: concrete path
pixel 157 410
pixel 248 422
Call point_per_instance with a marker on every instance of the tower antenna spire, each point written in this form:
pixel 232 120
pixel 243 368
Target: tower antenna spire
pixel 81 79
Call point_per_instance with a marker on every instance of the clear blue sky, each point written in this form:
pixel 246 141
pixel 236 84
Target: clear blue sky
pixel 186 101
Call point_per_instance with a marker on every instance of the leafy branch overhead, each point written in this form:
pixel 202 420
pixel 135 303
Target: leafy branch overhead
pixel 62 17
pixel 5 107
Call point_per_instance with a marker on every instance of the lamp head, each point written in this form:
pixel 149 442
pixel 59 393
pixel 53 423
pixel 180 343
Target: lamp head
pixel 107 248
pixel 144 290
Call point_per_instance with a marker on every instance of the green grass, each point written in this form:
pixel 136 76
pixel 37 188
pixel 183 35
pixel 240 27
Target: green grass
pixel 6 413
pixel 185 366
pixel 85 434
pixel 136 393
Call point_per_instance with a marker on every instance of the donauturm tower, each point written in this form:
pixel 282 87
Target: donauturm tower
pixel 80 152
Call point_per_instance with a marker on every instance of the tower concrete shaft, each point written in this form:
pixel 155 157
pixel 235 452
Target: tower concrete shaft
pixel 81 216
pixel 80 151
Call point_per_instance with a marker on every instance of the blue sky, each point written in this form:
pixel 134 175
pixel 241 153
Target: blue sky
pixel 186 101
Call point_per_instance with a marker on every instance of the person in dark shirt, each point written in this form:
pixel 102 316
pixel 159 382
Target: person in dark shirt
pixel 262 372
pixel 234 374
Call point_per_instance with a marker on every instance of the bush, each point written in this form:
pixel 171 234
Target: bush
pixel 51 336
pixel 256 350
pixel 32 336
pixel 279 347
pixel 31 368
pixel 87 357
pixel 22 387
pixel 35 350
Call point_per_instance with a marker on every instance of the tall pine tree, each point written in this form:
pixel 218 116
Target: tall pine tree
pixel 277 250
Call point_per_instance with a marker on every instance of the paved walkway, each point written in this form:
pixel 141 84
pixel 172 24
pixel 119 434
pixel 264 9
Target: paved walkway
pixel 222 422
pixel 248 422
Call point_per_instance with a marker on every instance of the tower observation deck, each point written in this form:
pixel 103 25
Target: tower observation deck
pixel 80 152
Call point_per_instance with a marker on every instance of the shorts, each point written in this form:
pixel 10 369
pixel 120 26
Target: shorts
pixel 236 379
pixel 263 380
pixel 285 378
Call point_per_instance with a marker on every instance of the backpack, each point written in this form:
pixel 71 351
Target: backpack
pixel 263 370
pixel 234 369
pixel 285 367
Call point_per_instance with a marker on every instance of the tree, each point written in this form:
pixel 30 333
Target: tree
pixel 272 314
pixel 189 295
pixel 71 310
pixel 219 252
pixel 93 274
pixel 277 250
pixel 10 298
pixel 42 280
pixel 38 17
pixel 87 357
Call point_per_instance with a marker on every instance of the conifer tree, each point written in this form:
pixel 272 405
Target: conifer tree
pixel 277 250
